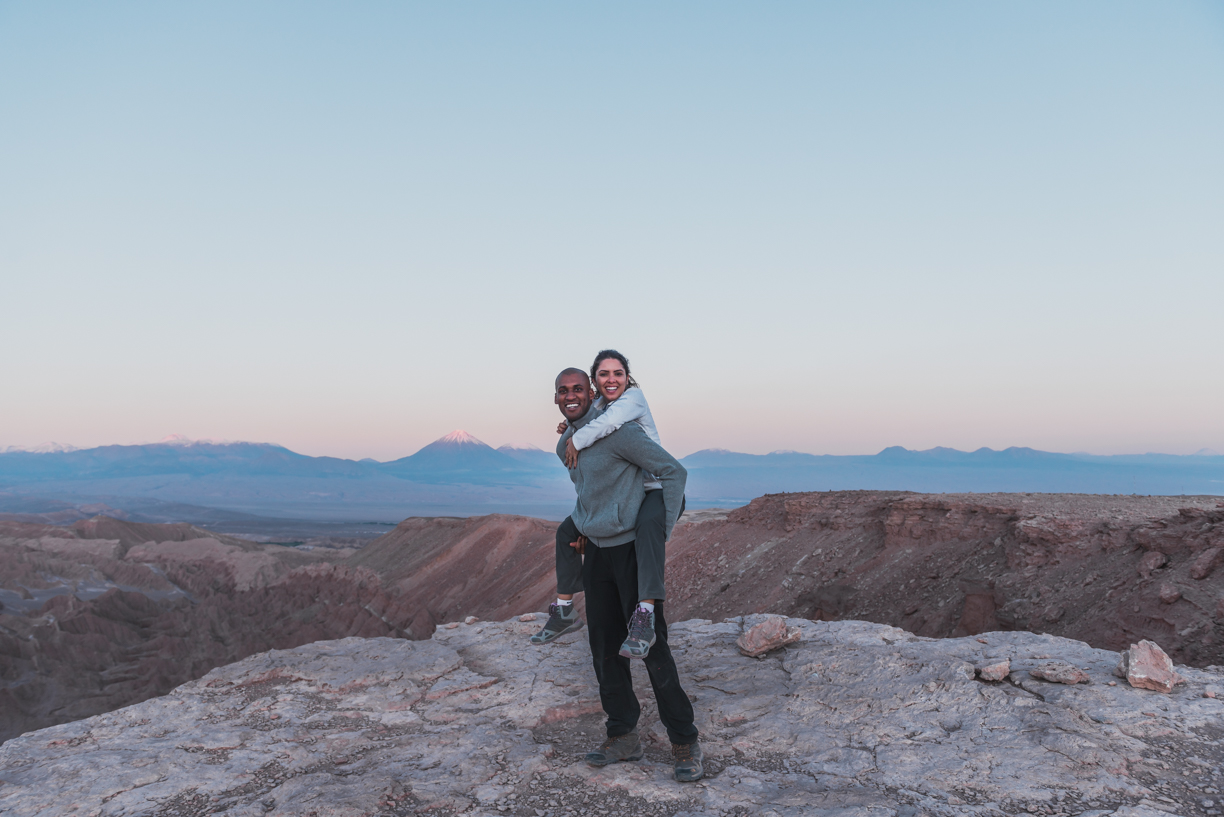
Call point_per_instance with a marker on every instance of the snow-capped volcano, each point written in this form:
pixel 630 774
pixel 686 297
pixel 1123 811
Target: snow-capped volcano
pixel 458 437
pixel 460 453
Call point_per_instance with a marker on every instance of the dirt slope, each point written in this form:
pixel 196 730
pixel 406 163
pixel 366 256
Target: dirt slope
pixel 491 567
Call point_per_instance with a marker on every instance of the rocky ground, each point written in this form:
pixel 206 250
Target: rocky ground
pixel 854 719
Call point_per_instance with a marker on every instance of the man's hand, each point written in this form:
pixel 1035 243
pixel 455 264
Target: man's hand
pixel 561 426
pixel 580 545
pixel 571 454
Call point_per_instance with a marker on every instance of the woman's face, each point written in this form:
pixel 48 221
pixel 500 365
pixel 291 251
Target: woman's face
pixel 610 378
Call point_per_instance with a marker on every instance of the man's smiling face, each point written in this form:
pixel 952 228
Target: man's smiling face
pixel 573 395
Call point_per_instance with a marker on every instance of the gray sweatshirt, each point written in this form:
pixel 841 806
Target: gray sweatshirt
pixel 608 480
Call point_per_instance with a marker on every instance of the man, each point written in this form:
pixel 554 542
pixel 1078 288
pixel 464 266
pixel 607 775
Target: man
pixel 608 480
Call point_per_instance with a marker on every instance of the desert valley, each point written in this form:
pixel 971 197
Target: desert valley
pixel 106 613
pixel 106 610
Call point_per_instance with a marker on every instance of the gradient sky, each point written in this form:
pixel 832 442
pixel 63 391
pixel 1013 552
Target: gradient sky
pixel 352 228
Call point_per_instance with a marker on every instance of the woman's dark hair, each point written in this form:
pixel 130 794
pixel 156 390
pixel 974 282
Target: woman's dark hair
pixel 630 383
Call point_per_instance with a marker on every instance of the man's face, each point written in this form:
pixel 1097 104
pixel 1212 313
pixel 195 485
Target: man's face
pixel 573 396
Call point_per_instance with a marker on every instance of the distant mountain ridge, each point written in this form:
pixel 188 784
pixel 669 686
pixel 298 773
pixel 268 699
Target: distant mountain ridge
pixel 456 475
pixel 45 448
pixel 719 475
pixel 454 455
pixel 460 475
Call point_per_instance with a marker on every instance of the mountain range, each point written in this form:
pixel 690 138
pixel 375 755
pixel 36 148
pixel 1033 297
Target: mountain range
pixel 717 475
pixel 458 475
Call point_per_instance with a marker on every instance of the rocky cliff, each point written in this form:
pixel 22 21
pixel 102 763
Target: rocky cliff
pixel 106 613
pixel 1108 570
pixel 854 720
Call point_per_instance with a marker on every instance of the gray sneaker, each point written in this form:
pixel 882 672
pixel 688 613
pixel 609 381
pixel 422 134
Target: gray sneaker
pixel 687 758
pixel 562 619
pixel 621 747
pixel 641 635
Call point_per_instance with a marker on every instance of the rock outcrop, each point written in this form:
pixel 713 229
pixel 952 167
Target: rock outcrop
pixel 1109 570
pixel 853 719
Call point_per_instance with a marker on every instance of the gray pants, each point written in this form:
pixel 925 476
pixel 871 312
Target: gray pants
pixel 651 547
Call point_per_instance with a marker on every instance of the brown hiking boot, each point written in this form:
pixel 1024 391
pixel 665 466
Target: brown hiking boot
pixel 688 766
pixel 621 747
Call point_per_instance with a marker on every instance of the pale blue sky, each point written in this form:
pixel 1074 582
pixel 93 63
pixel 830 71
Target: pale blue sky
pixel 352 228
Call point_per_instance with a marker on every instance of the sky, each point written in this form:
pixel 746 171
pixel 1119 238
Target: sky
pixel 826 227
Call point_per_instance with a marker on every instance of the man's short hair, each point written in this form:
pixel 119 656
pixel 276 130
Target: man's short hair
pixel 571 370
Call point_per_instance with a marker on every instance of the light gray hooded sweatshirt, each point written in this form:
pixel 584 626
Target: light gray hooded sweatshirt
pixel 608 480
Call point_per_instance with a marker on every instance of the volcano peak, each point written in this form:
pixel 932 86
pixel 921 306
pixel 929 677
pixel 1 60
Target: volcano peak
pixel 460 437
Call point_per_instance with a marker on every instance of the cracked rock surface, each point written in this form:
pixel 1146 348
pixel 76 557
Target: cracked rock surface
pixel 853 719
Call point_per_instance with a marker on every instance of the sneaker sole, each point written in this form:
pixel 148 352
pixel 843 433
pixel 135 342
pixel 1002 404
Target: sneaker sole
pixel 637 755
pixel 627 654
pixel 573 628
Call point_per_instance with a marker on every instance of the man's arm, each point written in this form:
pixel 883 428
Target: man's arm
pixel 632 444
pixel 630 406
pixel 565 437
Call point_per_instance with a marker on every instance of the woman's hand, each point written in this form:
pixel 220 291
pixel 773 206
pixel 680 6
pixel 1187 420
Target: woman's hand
pixel 580 545
pixel 561 426
pixel 571 454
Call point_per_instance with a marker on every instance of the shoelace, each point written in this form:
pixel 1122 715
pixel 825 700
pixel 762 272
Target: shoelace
pixel 556 621
pixel 610 742
pixel 639 626
pixel 682 751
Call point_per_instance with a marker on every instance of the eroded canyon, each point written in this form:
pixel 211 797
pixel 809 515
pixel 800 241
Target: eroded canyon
pixel 106 613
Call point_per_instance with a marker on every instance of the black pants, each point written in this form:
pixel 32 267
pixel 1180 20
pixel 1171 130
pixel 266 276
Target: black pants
pixel 651 550
pixel 610 580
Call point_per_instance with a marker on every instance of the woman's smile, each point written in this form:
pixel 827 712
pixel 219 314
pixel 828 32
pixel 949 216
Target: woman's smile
pixel 610 378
